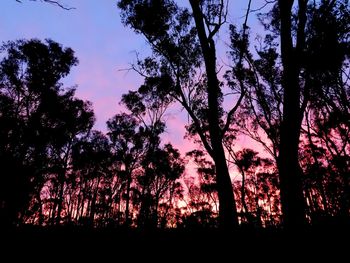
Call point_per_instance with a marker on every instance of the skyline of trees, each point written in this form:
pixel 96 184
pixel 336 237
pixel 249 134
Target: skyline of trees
pixel 290 95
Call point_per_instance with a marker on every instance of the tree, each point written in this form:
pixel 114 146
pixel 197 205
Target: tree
pixel 292 198
pixel 128 146
pixel 278 99
pixel 162 168
pixel 300 61
pixel 207 187
pixel 202 197
pixel 92 167
pixel 39 119
pixel 183 44
pixel 327 113
pixel 73 119
pixel 313 47
pixel 150 171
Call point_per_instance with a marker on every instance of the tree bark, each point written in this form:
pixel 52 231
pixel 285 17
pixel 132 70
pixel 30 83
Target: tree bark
pixel 60 200
pixel 244 203
pixel 292 198
pixel 40 216
pixel 127 201
pixel 227 206
pixel 228 217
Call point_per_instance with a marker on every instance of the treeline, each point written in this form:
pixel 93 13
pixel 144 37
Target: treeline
pixel 57 170
pixel 288 91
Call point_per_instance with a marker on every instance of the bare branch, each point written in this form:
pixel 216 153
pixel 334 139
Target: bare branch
pixel 196 122
pixel 263 6
pixel 231 113
pixel 51 2
pixel 240 66
pixel 222 19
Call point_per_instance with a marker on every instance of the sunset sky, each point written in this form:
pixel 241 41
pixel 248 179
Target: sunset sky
pixel 103 46
pixel 264 87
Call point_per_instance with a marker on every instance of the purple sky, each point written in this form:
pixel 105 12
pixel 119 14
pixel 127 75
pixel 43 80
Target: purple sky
pixel 94 31
pixel 103 46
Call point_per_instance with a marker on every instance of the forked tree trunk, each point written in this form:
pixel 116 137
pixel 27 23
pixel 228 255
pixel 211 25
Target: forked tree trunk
pixel 292 198
pixel 227 206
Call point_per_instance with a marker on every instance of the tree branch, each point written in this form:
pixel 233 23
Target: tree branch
pixel 240 66
pixel 222 20
pixel 263 6
pixel 196 122
pixel 51 2
pixel 231 113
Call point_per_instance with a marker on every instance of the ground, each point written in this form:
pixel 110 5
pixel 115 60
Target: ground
pixel 116 245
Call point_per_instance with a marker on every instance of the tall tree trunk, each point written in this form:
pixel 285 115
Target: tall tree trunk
pixel 40 216
pixel 61 180
pixel 244 203
pixel 127 202
pixel 292 198
pixel 54 207
pixel 93 203
pixel 227 206
pixel 228 216
pixel 60 201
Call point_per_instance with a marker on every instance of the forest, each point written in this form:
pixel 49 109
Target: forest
pixel 287 90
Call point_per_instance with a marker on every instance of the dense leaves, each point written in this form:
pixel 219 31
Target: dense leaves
pixel 40 119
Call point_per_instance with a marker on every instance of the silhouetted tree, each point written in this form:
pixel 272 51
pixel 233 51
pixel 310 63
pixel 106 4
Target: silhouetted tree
pixel 92 168
pixel 128 145
pixel 206 183
pixel 276 101
pixel 290 93
pixel 162 168
pixel 267 107
pixel 183 43
pixel 39 120
pixel 329 95
pixel 75 120
pixel 150 170
pixel 200 209
pixel 259 188
pixel 292 50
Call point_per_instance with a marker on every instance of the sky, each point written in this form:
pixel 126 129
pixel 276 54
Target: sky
pixel 104 47
pixel 94 31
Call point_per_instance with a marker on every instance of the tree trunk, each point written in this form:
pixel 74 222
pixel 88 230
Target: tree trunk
pixel 127 202
pixel 292 198
pixel 54 207
pixel 93 204
pixel 60 202
pixel 244 203
pixel 227 207
pixel 40 216
pixel 228 217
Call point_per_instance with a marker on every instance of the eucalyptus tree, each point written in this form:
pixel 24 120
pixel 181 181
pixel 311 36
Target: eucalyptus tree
pixel 184 59
pixel 292 71
pixel 40 119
